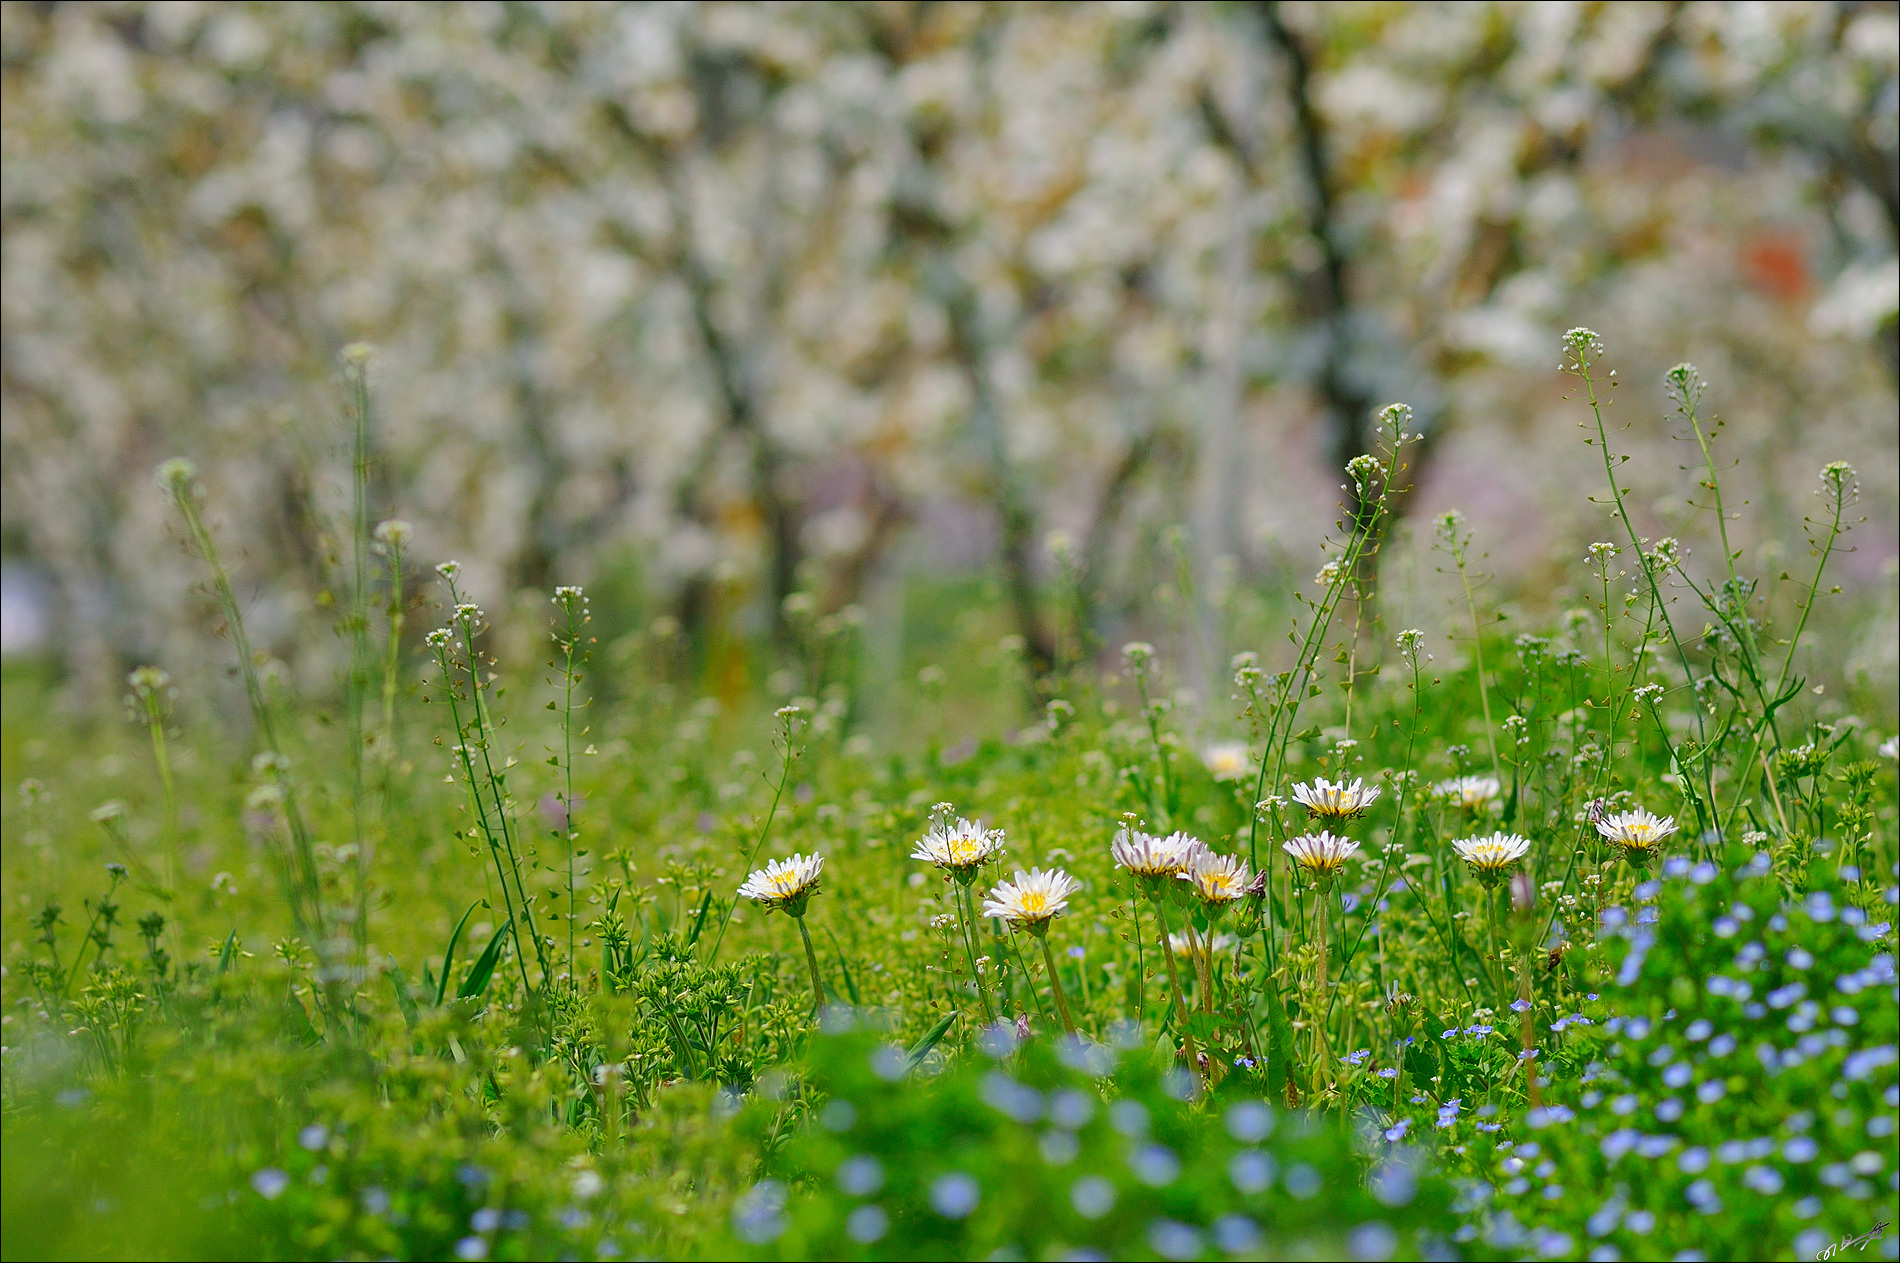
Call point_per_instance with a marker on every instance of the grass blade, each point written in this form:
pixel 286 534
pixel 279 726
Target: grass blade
pixel 484 968
pixel 932 1037
pixel 448 957
pixel 405 998
pixel 1282 1061
pixel 699 921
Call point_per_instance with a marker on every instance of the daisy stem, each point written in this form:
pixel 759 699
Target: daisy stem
pixel 1319 1025
pixel 811 959
pixel 1319 913
pixel 1055 982
pixel 1174 985
pixel 967 924
pixel 1204 962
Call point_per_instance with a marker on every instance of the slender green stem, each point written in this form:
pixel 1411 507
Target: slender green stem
pixel 1174 985
pixel 487 733
pixel 1141 966
pixel 392 653
pixel 161 755
pixel 1055 981
pixel 1152 714
pixel 1583 345
pixel 1295 685
pixel 1203 963
pixel 1787 662
pixel 1322 1012
pixel 788 719
pixel 304 884
pixel 462 743
pixel 966 920
pixel 1398 820
pixel 360 659
pixel 811 959
pixel 574 604
pixel 1477 650
pixel 91 936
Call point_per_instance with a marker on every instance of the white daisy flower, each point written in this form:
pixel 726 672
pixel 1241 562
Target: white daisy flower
pixel 1033 899
pixel 1890 748
pixel 1321 854
pixel 1339 802
pixel 1492 857
pixel 1218 879
pixel 1638 832
pixel 1474 793
pixel 959 848
pixel 1227 760
pixel 785 885
pixel 1146 855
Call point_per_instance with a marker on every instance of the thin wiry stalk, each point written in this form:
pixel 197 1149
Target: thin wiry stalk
pixel 811 960
pixel 966 924
pixel 1174 984
pixel 396 615
pixel 1295 685
pixel 148 687
pixel 1456 544
pixel 1055 982
pixel 1584 347
pixel 486 734
pixel 788 718
pixel 356 359
pixel 440 642
pixel 1838 483
pixel 305 886
pixel 573 603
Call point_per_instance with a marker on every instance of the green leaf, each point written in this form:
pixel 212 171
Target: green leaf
pixel 227 953
pixel 699 921
pixel 1165 1052
pixel 1282 1062
pixel 448 957
pixel 484 969
pixel 404 999
pixel 1421 1062
pixel 932 1037
pixel 1451 1077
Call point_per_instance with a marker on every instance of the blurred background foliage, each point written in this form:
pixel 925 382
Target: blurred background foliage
pixel 1046 315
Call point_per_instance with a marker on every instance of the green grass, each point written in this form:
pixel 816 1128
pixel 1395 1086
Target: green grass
pixel 306 1015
